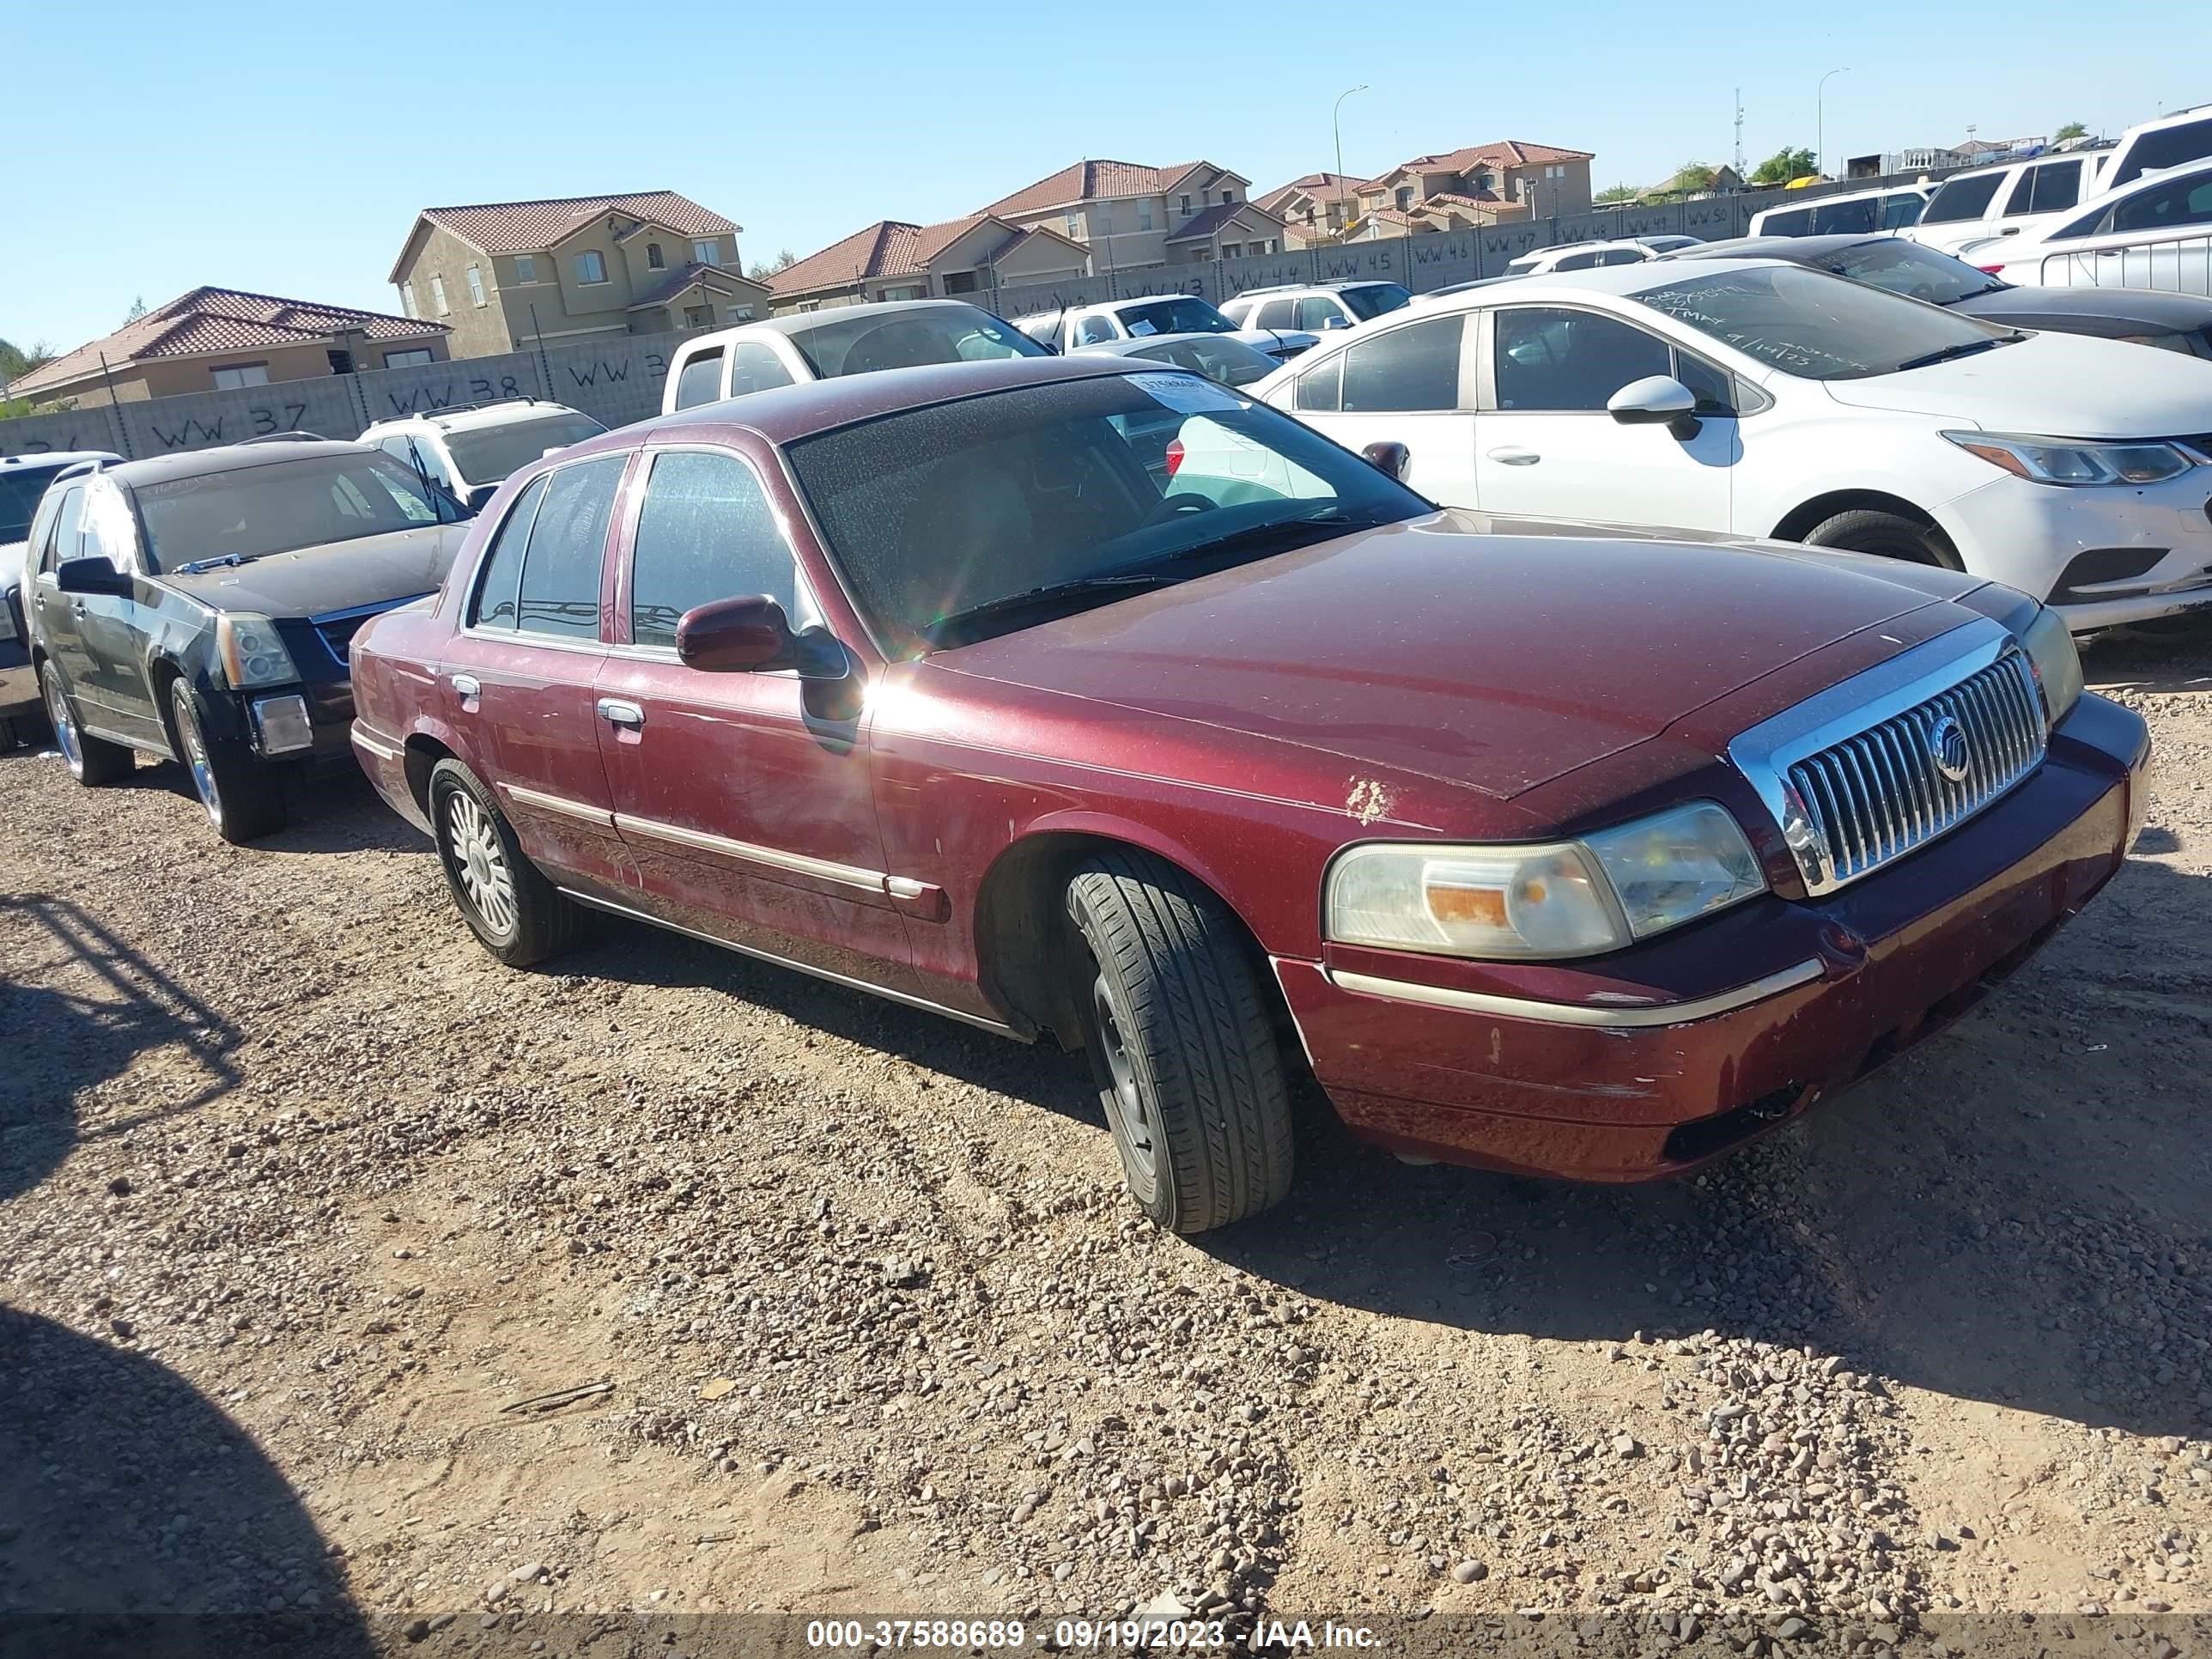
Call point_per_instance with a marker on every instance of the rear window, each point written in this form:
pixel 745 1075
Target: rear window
pixel 2191 142
pixel 1794 222
pixel 869 341
pixel 701 382
pixel 20 487
pixel 1962 199
pixel 489 454
pixel 1844 217
pixel 1373 299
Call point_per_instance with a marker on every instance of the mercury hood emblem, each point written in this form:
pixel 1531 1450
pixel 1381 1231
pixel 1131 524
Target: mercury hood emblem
pixel 1946 747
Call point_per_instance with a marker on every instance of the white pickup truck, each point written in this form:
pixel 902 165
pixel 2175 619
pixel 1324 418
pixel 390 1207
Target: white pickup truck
pixel 1155 313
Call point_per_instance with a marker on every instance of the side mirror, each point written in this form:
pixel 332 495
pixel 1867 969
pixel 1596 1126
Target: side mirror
pixel 1337 321
pixel 1656 400
pixel 478 496
pixel 92 576
pixel 1390 457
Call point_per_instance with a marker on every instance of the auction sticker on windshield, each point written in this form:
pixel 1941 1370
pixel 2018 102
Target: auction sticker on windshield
pixel 1186 394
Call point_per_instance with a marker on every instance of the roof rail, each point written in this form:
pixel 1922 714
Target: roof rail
pixel 287 438
pixel 77 469
pixel 459 409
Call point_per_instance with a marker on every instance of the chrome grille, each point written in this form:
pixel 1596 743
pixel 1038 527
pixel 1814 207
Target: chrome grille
pixel 1878 794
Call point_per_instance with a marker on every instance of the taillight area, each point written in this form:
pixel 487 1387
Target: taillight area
pixel 1991 270
pixel 1174 456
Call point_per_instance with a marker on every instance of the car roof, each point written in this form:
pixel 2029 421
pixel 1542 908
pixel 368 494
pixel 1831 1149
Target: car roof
pixel 511 409
pixel 1627 281
pixel 798 322
pixel 1137 343
pixel 1336 286
pixel 56 458
pixel 1797 249
pixel 785 414
pixel 229 457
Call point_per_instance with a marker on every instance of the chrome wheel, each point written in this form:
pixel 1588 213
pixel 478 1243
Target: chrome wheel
pixel 479 862
pixel 1128 1113
pixel 195 756
pixel 57 713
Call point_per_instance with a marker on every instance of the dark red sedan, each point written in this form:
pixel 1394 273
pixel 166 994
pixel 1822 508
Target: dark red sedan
pixel 1104 705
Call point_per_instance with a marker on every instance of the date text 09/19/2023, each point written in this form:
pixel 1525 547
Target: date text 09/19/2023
pixel 1079 1635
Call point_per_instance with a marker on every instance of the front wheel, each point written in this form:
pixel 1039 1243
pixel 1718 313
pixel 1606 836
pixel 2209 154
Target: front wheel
pixel 1889 535
pixel 92 761
pixel 1186 1060
pixel 243 799
pixel 520 916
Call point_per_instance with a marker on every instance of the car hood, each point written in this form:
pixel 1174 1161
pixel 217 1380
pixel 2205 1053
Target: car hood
pixel 2062 386
pixel 2127 310
pixel 341 576
pixel 1494 661
pixel 1272 340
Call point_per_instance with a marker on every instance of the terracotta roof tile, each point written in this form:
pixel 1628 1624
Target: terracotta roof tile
pixel 1505 153
pixel 890 247
pixel 532 227
pixel 1088 181
pixel 1206 223
pixel 220 320
pixel 688 275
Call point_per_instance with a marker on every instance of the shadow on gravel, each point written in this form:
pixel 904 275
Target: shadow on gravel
pixel 76 1006
pixel 2018 1211
pixel 136 1518
pixel 2172 660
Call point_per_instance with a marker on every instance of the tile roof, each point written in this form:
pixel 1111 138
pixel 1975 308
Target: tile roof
pixel 1206 223
pixel 1088 181
pixel 1321 186
pixel 533 227
pixel 690 275
pixel 890 248
pixel 220 320
pixel 1477 198
pixel 1505 153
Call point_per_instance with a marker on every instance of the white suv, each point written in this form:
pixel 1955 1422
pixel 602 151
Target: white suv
pixel 2003 200
pixel 1849 213
pixel 468 449
pixel 823 345
pixel 1315 308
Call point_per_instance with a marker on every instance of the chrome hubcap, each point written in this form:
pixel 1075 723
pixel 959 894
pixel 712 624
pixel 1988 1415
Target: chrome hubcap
pixel 64 729
pixel 1134 1132
pixel 196 756
pixel 479 862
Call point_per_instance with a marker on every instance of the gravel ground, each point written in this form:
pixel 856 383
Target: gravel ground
pixel 302 1198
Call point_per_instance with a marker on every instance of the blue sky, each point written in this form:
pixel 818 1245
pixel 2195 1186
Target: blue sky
pixel 285 148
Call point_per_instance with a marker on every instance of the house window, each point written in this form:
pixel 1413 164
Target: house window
pixel 407 299
pixel 1144 214
pixel 591 267
pixel 698 316
pixel 906 291
pixel 242 375
pixel 526 268
pixel 707 252
pixel 408 359
pixel 1405 198
pixel 1483 179
pixel 476 284
pixel 438 295
pixel 1233 250
pixel 809 305
pixel 1074 225
pixel 1185 204
pixel 958 282
pixel 740 313
pixel 654 259
pixel 1227 197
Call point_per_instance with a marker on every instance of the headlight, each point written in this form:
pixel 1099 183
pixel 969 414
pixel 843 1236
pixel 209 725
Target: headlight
pixel 252 651
pixel 2057 665
pixel 1569 898
pixel 2062 461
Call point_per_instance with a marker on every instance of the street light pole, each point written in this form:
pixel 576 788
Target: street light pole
pixel 1336 126
pixel 1820 121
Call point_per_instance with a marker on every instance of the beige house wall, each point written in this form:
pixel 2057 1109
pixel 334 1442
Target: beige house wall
pixel 170 377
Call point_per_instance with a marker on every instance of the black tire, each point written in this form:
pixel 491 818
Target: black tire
pixel 1890 535
pixel 242 795
pixel 1175 1024
pixel 526 919
pixel 93 761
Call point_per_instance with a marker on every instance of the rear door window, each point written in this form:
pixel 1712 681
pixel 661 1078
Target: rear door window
pixel 1840 218
pixel 2054 187
pixel 1902 209
pixel 494 605
pixel 755 368
pixel 560 593
pixel 1318 388
pixel 1795 222
pixel 701 382
pixel 1276 313
pixel 67 533
pixel 1413 367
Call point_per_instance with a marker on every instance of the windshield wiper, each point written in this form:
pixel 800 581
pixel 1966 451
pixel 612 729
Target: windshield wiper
pixel 200 567
pixel 1963 349
pixel 1333 520
pixel 1051 593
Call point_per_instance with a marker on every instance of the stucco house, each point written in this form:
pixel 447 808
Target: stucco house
pixel 1484 184
pixel 222 338
pixel 1128 214
pixel 1317 208
pixel 960 258
pixel 501 275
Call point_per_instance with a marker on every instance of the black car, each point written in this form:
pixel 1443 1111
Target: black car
pixel 2178 322
pixel 24 480
pixel 198 607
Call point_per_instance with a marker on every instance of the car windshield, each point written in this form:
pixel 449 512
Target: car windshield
pixel 1817 326
pixel 1218 357
pixel 1907 268
pixel 868 341
pixel 20 489
pixel 960 520
pixel 1962 199
pixel 1374 299
pixel 1179 315
pixel 487 453
pixel 278 507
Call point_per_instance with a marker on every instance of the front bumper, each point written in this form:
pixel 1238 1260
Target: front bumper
pixel 329 719
pixel 1604 1086
pixel 2028 536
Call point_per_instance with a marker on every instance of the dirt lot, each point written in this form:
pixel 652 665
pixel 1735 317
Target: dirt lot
pixel 299 1191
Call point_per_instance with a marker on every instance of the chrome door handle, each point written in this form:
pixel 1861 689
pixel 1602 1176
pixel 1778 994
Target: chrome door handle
pixel 616 712
pixel 1511 457
pixel 466 685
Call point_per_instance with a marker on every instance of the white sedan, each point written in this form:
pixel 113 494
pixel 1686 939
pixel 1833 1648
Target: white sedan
pixel 1759 398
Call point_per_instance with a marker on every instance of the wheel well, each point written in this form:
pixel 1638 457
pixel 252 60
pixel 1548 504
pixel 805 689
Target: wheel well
pixel 1802 520
pixel 1023 934
pixel 423 754
pixel 161 676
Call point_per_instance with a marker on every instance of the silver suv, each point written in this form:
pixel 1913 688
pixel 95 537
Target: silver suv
pixel 468 449
pixel 1313 306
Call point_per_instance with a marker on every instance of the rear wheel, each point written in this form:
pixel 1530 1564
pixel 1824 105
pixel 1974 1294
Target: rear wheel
pixel 244 798
pixel 520 916
pixel 1890 535
pixel 1186 1060
pixel 92 761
